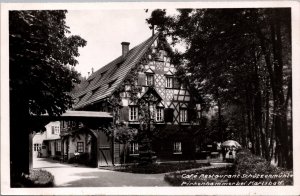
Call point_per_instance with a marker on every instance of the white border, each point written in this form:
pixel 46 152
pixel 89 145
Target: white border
pixel 261 190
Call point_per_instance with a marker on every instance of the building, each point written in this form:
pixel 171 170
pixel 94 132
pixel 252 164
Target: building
pixel 140 77
pixel 47 143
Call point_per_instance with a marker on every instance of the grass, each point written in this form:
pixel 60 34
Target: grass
pixel 157 168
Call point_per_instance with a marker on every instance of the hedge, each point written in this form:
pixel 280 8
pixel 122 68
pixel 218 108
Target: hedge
pixel 258 169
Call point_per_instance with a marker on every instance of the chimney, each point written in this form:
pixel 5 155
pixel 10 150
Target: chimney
pixel 125 48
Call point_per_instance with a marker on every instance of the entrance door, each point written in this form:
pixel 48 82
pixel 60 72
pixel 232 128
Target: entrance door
pixel 104 151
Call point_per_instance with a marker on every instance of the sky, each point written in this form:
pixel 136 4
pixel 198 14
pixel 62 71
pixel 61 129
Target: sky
pixel 104 30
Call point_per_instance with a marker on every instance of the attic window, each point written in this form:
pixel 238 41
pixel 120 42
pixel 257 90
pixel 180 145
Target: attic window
pixel 80 97
pixel 103 73
pixel 111 83
pixel 95 90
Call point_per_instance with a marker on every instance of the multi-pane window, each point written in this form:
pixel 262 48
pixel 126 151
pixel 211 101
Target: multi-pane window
pixel 55 129
pixel 36 147
pixel 134 148
pixel 159 114
pixel 169 82
pixel 183 115
pixel 80 147
pixel 58 146
pixel 177 148
pixel 133 113
pixel 149 80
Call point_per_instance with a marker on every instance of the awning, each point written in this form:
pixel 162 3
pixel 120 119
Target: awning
pixel 88 114
pixel 70 115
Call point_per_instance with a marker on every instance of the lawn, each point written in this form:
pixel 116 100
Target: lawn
pixel 157 168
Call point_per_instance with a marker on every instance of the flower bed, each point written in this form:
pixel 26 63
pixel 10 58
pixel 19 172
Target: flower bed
pixel 39 178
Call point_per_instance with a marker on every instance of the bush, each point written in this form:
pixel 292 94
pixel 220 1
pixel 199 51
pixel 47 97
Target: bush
pixel 249 170
pixel 39 178
pixel 247 164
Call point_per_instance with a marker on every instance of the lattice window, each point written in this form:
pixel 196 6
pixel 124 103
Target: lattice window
pixel 134 148
pixel 149 80
pixel 133 113
pixel 159 114
pixel 80 147
pixel 169 82
pixel 183 115
pixel 177 148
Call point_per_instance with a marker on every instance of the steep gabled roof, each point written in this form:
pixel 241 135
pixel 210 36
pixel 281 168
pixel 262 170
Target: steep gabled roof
pixel 102 83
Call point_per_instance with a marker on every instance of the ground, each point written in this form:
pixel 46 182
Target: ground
pixel 73 175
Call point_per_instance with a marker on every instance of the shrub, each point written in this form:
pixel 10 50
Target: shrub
pixel 39 178
pixel 247 163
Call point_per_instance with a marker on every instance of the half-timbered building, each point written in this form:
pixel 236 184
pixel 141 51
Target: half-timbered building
pixel 118 88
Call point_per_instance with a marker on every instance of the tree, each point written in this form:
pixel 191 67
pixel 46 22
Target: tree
pixel 241 60
pixel 42 57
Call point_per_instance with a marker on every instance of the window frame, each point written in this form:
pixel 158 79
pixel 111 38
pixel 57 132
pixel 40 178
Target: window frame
pixel 134 148
pixel 183 118
pixel 161 111
pixel 171 83
pixel 177 147
pixel 135 111
pixel 58 146
pixel 78 147
pixel 147 80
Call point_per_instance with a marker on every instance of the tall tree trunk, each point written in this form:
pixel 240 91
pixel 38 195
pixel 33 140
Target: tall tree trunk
pixel 19 138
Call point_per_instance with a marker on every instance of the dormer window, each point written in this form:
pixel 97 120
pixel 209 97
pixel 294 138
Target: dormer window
pixel 149 79
pixel 111 83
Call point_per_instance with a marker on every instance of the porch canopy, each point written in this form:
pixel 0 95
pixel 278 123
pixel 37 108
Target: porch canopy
pixel 86 116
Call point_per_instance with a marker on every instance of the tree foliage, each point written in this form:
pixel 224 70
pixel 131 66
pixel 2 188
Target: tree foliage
pixel 41 59
pixel 240 61
pixel 42 53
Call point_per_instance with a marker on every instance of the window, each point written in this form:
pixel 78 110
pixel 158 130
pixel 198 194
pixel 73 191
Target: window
pixel 36 147
pixel 79 146
pixel 169 82
pixel 58 146
pixel 177 148
pixel 198 107
pixel 159 114
pixel 183 115
pixel 133 113
pixel 134 148
pixel 149 80
pixel 55 130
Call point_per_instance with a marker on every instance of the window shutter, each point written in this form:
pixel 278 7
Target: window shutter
pixel 192 114
pixel 176 83
pixel 168 114
pixel 142 79
pixel 124 113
